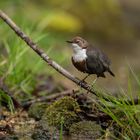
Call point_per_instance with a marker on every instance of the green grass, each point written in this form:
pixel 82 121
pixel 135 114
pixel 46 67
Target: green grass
pixel 125 116
pixel 4 98
pixel 19 64
pixel 61 128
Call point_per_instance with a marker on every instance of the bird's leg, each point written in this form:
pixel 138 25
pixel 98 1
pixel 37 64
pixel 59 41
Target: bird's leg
pixel 83 80
pixel 91 86
pixel 94 82
pixel 85 77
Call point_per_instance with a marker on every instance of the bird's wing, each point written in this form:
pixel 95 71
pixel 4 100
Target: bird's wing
pixel 97 61
pixel 104 59
pixel 94 64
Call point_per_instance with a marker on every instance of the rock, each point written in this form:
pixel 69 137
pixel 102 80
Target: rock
pixel 85 130
pixel 37 110
pixel 41 135
pixel 45 132
pixel 62 113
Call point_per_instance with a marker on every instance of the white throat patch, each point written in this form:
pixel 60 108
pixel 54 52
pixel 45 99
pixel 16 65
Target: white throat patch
pixel 79 53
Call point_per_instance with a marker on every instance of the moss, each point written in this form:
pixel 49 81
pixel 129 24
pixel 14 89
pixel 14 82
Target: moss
pixel 85 129
pixel 36 110
pixel 65 109
pixel 47 133
pixel 43 131
pixel 41 135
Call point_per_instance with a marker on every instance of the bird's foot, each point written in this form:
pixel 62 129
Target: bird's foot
pixel 91 86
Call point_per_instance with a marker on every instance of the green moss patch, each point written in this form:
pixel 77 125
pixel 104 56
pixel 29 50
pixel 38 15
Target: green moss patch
pixel 62 111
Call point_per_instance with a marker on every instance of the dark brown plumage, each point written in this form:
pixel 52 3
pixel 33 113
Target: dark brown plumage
pixel 89 59
pixel 97 62
pixel 81 66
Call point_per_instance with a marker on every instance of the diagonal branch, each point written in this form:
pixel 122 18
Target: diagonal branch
pixel 53 64
pixel 41 53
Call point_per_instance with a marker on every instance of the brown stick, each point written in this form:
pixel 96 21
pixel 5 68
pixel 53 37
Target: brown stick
pixel 49 97
pixel 42 54
pixel 52 63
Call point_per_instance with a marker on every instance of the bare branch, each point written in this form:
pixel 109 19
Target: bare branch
pixel 49 97
pixel 52 63
pixel 41 53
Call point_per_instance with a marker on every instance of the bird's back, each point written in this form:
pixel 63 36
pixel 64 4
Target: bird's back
pixel 97 61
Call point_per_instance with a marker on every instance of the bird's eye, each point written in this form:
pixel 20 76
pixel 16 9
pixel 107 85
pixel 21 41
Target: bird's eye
pixel 77 41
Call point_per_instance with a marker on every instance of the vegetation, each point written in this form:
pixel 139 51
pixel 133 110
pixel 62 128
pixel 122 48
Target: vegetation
pixel 86 129
pixel 36 110
pixel 50 23
pixel 65 108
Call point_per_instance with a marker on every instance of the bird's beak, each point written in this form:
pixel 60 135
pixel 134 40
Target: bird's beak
pixel 69 41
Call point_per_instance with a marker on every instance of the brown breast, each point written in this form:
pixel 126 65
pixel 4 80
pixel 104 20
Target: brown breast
pixel 81 66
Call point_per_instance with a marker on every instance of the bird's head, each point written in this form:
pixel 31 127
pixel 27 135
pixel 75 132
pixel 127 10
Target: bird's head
pixel 78 43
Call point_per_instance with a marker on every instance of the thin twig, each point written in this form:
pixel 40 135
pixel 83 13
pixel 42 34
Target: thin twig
pixel 50 97
pixel 42 54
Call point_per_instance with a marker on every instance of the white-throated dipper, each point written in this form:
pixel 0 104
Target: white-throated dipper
pixel 88 59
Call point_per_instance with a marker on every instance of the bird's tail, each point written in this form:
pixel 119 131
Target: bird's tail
pixel 111 72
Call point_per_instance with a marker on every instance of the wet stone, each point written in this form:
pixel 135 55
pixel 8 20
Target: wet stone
pixel 85 130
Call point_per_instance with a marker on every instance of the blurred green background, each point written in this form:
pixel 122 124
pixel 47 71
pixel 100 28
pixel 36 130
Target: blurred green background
pixel 112 25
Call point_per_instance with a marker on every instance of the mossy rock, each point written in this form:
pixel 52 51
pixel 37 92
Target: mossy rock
pixel 41 135
pixel 36 110
pixel 43 131
pixel 46 134
pixel 62 112
pixel 85 130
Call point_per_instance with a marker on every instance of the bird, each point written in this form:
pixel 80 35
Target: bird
pixel 89 59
